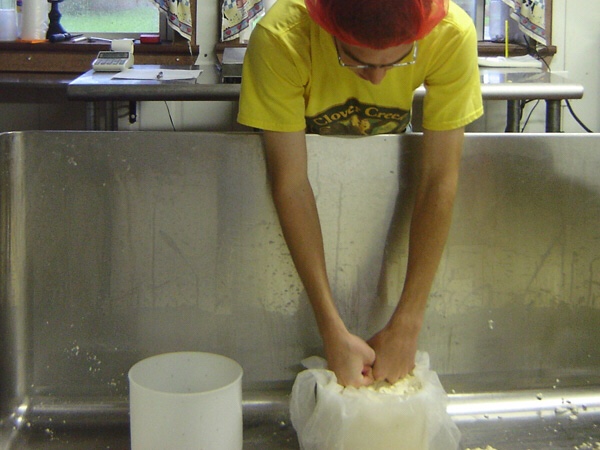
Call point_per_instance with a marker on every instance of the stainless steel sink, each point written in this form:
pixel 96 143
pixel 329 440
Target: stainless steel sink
pixel 563 419
pixel 117 246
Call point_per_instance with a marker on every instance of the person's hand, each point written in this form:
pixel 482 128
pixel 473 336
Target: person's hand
pixel 350 358
pixel 395 347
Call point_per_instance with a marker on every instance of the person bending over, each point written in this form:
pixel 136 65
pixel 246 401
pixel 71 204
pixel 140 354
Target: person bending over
pixel 336 67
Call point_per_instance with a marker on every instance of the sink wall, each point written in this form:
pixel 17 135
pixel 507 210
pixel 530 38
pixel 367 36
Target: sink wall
pixel 118 246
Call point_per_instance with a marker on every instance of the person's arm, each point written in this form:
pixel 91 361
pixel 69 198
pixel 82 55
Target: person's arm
pixel 438 170
pixel 347 355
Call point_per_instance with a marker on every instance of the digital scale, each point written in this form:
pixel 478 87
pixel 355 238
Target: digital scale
pixel 112 61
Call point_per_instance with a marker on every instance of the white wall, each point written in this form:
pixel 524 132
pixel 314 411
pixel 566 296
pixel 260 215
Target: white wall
pixel 42 116
pixel 186 116
pixel 577 35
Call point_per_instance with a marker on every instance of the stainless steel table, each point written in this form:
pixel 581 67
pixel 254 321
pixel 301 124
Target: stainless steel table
pixel 514 85
pixel 511 85
pixel 101 92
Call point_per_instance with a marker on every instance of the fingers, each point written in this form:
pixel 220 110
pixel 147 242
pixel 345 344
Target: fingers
pixel 395 355
pixel 364 378
pixel 367 371
pixel 357 376
pixel 351 358
pixel 360 381
pixel 367 374
pixel 381 373
pixel 370 357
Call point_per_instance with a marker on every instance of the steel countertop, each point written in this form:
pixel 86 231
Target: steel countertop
pixel 496 84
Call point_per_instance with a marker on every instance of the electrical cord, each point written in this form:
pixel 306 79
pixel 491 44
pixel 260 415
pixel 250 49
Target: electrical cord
pixel 170 117
pixel 166 103
pixel 530 112
pixel 569 107
pixel 577 119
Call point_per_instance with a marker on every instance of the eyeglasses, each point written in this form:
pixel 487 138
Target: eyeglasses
pixel 362 65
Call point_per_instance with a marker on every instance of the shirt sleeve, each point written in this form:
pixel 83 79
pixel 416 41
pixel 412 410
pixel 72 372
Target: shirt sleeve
pixel 272 91
pixel 453 87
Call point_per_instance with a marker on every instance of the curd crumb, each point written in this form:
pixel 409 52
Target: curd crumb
pixel 405 386
pixel 487 447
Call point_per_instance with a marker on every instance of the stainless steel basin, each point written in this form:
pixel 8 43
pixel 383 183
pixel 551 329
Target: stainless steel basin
pixel 117 246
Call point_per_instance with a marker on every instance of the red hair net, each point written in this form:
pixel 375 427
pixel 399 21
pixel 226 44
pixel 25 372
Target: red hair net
pixel 377 24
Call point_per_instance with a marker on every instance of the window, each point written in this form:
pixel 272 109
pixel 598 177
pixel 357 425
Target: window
pixel 491 16
pixel 102 17
pixel 495 14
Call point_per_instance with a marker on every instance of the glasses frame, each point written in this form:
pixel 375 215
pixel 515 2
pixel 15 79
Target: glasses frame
pixel 377 66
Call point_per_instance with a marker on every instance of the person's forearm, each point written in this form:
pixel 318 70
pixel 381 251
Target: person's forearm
pixel 296 207
pixel 347 355
pixel 430 225
pixel 429 228
pixel 299 221
pixel 396 344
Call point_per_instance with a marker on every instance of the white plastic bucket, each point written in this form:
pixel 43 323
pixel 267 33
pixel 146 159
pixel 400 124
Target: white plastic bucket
pixel 186 400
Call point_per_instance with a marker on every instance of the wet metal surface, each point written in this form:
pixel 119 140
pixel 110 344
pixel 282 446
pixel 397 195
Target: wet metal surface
pixel 565 419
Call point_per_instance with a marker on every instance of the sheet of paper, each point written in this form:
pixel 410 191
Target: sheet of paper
pixel 157 74
pixel 513 61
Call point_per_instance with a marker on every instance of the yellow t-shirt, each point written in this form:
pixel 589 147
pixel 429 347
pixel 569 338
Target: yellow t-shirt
pixel 292 80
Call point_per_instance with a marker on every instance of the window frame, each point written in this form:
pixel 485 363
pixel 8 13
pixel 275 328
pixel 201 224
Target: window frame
pixel 68 57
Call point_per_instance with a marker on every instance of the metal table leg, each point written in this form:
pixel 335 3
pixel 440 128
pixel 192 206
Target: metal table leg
pixel 553 119
pixel 90 116
pixel 111 116
pixel 513 116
